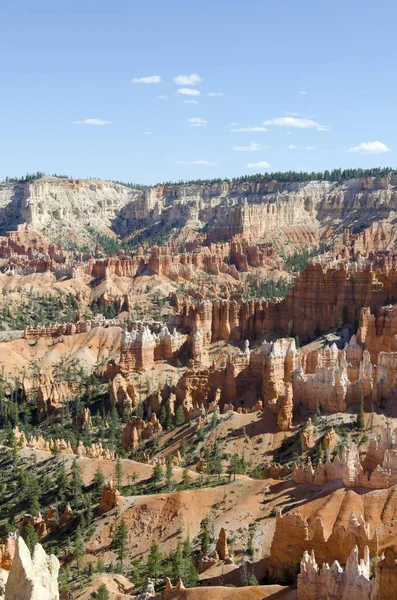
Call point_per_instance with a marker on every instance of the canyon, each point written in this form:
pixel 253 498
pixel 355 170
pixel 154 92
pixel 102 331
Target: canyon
pixel 198 389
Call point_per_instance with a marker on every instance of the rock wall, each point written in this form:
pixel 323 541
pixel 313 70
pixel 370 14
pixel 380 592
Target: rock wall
pixel 294 535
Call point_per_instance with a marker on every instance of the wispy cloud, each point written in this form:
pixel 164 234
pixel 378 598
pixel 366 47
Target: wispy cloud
pixel 162 97
pixel 204 163
pixel 92 122
pixel 370 148
pixel 296 123
pixel 258 129
pixel 288 113
pixel 192 79
pixel 215 94
pixel 262 164
pixel 188 92
pixel 148 132
pixel 191 101
pixel 253 147
pixel 149 79
pixel 303 93
pixel 197 122
pixel 295 147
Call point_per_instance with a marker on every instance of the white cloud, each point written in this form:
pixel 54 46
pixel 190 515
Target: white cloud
pixel 204 163
pixel 162 97
pixel 150 79
pixel 197 122
pixel 253 147
pixel 259 165
pixel 259 129
pixel 190 101
pixel 295 147
pixel 296 123
pixel 148 132
pixel 215 94
pixel 303 93
pixel 92 122
pixel 188 92
pixel 192 79
pixel 370 148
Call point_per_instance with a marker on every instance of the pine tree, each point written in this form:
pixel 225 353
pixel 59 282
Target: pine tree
pixel 139 410
pixel 168 471
pixel 186 480
pixel 205 541
pixel 102 593
pixel 98 481
pixel 119 473
pixel 30 536
pixel 76 480
pixel 155 560
pixel 179 416
pixel 120 540
pixel 163 415
pixel 214 419
pixel 183 447
pixel 62 481
pixel 79 549
pixel 157 473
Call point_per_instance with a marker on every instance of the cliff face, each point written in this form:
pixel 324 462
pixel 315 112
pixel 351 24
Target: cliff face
pixel 292 216
pixel 54 204
pixel 282 213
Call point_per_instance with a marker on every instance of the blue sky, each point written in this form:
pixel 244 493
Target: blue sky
pixel 319 77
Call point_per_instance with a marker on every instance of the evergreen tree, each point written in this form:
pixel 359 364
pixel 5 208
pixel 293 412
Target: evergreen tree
pixel 186 479
pixel 139 410
pixel 103 593
pixel 79 549
pixel 119 473
pixel 205 541
pixel 250 545
pixel 155 560
pixel 214 419
pixel 98 481
pixel 168 471
pixel 163 415
pixel 30 536
pixel 62 481
pixel 120 540
pixel 183 447
pixel 157 473
pixel 76 480
pixel 179 416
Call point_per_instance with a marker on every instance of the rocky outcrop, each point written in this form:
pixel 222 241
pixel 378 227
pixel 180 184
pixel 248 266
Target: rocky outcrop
pixel 374 468
pixel 140 348
pixel 171 591
pixel 136 430
pixel 222 548
pixel 62 447
pixel 50 522
pixel 327 583
pixel 32 577
pixel 293 536
pixel 110 498
pixel 352 583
